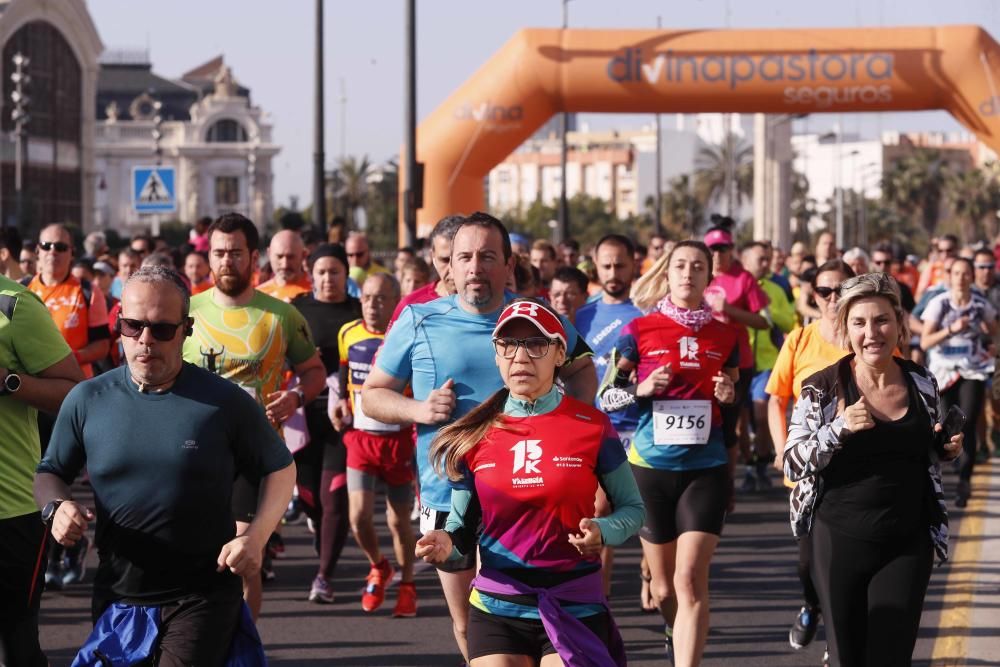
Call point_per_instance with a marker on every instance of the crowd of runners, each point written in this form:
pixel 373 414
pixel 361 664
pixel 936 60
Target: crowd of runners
pixel 529 406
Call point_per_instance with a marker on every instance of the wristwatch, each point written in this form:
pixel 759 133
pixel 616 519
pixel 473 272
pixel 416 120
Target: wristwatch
pixel 49 511
pixel 10 384
pixel 302 396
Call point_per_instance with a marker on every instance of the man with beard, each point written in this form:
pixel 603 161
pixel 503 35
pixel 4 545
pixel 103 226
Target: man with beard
pixel 440 240
pixel 445 349
pixel 247 336
pixel 162 441
pixel 287 255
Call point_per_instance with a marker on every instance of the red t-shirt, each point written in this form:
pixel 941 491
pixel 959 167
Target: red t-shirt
pixel 741 290
pixel 425 294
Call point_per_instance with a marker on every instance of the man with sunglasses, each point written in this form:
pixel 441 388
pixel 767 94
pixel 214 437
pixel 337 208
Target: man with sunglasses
pixel 248 337
pixel 360 257
pixel 168 548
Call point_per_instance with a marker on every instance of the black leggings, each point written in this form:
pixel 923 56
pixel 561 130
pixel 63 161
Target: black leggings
pixel 326 483
pixel 809 593
pixel 872 595
pixel 969 395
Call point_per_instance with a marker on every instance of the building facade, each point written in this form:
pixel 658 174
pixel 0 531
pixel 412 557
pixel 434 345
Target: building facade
pixel 219 143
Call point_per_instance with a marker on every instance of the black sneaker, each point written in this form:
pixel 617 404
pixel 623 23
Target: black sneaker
pixel 962 493
pixel 75 566
pixel 668 645
pixel 804 628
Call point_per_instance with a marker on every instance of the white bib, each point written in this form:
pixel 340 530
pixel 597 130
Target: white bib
pixel 682 422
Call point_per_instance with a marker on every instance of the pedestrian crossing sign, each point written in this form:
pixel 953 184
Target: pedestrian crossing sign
pixel 154 190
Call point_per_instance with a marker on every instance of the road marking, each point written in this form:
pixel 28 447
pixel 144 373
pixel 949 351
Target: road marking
pixel 956 615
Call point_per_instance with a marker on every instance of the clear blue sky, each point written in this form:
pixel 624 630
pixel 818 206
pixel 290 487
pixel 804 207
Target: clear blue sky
pixel 269 45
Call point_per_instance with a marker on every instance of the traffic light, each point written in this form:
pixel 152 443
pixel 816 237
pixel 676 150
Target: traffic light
pixel 19 96
pixel 157 131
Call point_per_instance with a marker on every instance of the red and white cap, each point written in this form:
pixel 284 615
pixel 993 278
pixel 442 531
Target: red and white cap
pixel 547 323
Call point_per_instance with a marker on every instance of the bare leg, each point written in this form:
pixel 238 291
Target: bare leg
pixel 694 555
pixel 456 593
pixel 661 559
pixel 403 540
pixel 362 504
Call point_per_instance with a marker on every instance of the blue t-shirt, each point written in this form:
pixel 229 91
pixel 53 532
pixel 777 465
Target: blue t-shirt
pixel 432 342
pixel 600 324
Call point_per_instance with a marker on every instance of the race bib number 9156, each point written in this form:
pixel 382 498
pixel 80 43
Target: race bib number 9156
pixel 682 422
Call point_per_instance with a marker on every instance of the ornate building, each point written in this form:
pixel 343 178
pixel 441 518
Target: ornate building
pixel 62 47
pixel 217 141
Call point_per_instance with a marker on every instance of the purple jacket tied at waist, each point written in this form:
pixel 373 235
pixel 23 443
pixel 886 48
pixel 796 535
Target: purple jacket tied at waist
pixel 573 641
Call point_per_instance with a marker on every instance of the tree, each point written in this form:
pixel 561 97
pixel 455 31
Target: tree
pixel 713 163
pixel 683 211
pixel 974 198
pixel 350 188
pixel 914 186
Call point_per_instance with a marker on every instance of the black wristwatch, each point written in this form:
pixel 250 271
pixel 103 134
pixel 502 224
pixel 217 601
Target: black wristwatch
pixel 49 511
pixel 10 384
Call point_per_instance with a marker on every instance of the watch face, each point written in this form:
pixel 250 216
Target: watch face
pixel 12 382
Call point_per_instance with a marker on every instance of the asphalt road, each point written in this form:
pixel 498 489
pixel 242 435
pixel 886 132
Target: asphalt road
pixel 754 588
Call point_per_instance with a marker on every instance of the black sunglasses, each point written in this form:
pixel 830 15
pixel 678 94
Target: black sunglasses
pixel 58 246
pixel 825 292
pixel 162 331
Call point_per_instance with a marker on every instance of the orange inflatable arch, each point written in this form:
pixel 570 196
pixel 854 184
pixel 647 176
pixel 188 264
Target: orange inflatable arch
pixel 542 72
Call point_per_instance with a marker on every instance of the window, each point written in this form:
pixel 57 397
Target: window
pixel 226 131
pixel 227 190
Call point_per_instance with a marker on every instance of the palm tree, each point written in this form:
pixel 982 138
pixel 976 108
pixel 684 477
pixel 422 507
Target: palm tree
pixel 682 210
pixel 914 185
pixel 713 164
pixel 350 187
pixel 974 197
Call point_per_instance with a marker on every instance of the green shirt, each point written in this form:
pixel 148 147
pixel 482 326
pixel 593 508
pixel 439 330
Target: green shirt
pixel 780 314
pixel 29 343
pixel 248 344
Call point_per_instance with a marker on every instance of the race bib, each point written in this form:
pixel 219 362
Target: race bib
pixel 428 520
pixel 678 422
pixel 365 423
pixel 956 348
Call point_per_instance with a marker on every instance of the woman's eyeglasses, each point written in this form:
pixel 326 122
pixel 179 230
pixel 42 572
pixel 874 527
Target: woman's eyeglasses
pixel 825 292
pixel 536 347
pixel 162 331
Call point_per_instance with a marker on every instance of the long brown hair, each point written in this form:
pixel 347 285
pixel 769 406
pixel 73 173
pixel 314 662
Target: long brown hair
pixel 454 441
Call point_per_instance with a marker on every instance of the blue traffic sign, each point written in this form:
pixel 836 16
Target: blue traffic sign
pixel 154 190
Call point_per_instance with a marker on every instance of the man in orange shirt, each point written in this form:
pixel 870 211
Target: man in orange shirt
pixel 287 255
pixel 197 272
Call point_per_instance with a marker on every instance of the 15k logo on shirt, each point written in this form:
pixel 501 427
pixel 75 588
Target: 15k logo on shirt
pixel 527 454
pixel 689 352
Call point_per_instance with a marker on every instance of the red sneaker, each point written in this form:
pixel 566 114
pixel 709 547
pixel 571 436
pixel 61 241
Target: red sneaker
pixel 406 601
pixel 378 578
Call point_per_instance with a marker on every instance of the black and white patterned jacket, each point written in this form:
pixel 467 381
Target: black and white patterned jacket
pixel 816 434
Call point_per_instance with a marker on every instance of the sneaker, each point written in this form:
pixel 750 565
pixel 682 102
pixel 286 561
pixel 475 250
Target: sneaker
pixel 267 568
pixel 962 493
pixel 375 583
pixel 311 525
pixel 54 576
pixel 804 628
pixel 668 645
pixel 406 601
pixel 75 566
pixel 826 656
pixel 275 546
pixel 415 512
pixel 321 591
pixel 749 484
pixel 294 512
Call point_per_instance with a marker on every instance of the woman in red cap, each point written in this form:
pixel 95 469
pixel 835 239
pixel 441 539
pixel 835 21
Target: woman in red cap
pixel 527 463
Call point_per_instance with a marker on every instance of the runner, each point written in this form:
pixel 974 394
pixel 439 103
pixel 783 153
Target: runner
pixel 568 293
pixel 376 451
pixel 423 347
pixel 37 370
pixel 686 363
pixel 806 351
pixel 287 256
pixel 958 329
pixel 538 534
pixel 162 441
pixel 246 337
pixel 321 465
pixel 360 257
pixel 440 244
pixel 198 273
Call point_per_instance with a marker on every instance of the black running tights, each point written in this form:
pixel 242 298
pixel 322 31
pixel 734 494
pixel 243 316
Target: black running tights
pixel 969 395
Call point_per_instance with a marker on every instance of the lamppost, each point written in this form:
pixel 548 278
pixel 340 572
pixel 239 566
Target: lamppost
pixel 19 115
pixel 659 166
pixel 157 152
pixel 562 231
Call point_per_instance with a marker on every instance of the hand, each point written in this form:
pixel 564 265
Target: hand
pixel 588 541
pixel 725 391
pixel 434 547
pixel 70 523
pixel 438 405
pixel 952 446
pixel 341 417
pixel 656 382
pixel 959 325
pixel 242 555
pixel 281 405
pixel 857 417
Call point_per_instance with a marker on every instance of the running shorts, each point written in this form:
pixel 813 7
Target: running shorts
pixel 431 519
pixel 681 501
pixel 491 634
pixel 758 385
pixel 388 456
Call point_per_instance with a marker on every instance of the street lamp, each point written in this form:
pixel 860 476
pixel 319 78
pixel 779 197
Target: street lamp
pixel 19 115
pixel 562 231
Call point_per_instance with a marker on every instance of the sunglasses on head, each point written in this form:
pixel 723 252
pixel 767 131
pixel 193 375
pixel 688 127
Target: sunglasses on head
pixel 825 292
pixel 58 246
pixel 162 331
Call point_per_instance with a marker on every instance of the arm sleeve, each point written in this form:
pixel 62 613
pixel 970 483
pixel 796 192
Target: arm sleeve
pixel 257 447
pixel 300 341
pixel 629 511
pixel 394 357
pixel 463 520
pixel 36 342
pixel 812 441
pixel 66 456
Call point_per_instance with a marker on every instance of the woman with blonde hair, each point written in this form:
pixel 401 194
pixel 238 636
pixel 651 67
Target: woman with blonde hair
pixel 864 445
pixel 527 464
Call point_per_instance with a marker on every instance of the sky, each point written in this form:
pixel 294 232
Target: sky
pixel 269 45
